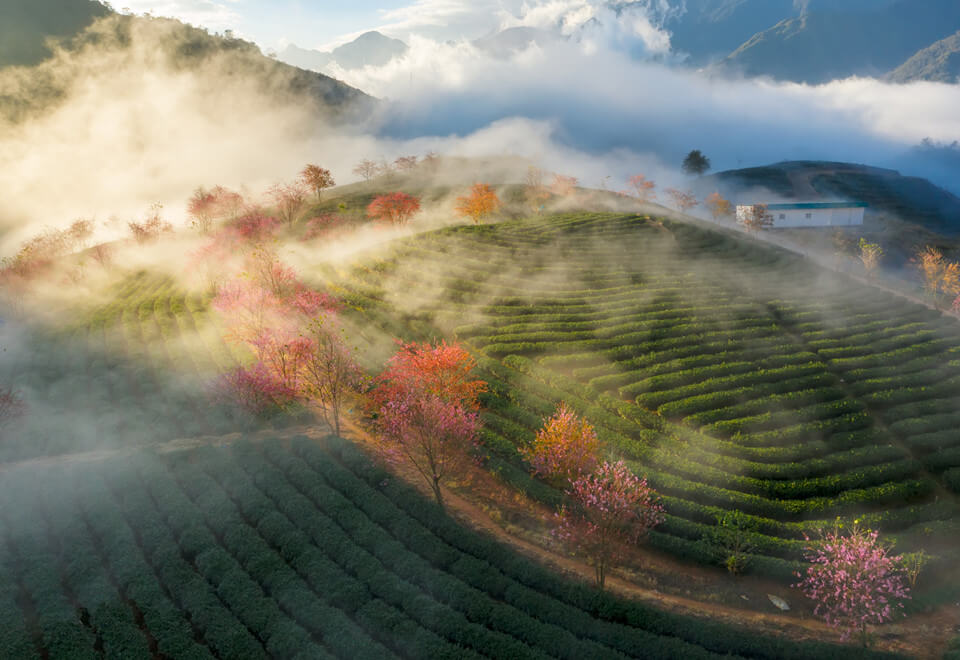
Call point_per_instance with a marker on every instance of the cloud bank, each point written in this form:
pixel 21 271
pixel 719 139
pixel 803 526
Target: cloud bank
pixel 133 130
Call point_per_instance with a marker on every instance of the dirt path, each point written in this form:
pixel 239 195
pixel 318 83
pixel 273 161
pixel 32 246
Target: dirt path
pixel 484 503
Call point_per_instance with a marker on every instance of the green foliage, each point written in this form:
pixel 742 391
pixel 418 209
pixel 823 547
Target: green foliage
pixel 700 360
pixel 306 551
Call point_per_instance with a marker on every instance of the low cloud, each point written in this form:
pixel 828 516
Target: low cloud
pixel 601 98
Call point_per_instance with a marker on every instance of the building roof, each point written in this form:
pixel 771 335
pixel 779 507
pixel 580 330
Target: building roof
pixel 817 205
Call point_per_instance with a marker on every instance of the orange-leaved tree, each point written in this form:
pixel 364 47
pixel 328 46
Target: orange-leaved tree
pixel 565 448
pixel 396 207
pixel 317 179
pixel 719 207
pixel 481 202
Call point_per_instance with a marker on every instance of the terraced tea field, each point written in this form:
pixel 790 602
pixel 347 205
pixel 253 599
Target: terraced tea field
pixel 736 376
pixel 135 369
pixel 293 549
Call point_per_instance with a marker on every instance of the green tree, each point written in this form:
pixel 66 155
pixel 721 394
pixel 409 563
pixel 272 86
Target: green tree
pixel 695 163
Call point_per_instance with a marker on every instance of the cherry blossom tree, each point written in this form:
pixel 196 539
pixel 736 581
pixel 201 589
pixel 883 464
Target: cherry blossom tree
pixel 683 200
pixel 562 185
pixel 643 188
pixel 611 509
pixel 202 207
pixel 427 432
pixel 152 227
pixel 406 163
pixel 426 406
pixel 565 448
pixel 396 207
pixel 366 169
pixel 255 389
pixel 854 581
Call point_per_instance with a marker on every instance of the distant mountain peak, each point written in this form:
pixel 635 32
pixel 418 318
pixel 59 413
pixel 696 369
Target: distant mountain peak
pixel 369 49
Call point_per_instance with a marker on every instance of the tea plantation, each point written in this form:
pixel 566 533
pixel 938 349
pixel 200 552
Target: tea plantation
pixel 293 549
pixel 732 374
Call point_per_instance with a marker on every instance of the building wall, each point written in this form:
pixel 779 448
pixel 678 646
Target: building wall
pixel 831 217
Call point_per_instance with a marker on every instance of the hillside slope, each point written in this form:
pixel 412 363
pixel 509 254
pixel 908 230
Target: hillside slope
pixel 910 199
pixel 168 45
pixel 825 45
pixel 25 26
pixel 939 62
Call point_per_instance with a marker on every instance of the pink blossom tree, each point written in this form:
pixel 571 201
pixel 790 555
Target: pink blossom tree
pixel 255 389
pixel 429 433
pixel 854 581
pixel 426 407
pixel 611 509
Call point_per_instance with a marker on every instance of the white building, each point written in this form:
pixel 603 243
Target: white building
pixel 811 214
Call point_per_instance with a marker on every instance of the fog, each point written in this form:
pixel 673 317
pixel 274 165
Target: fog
pixel 132 129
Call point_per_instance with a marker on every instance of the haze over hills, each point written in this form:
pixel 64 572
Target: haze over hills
pixel 369 49
pixel 159 43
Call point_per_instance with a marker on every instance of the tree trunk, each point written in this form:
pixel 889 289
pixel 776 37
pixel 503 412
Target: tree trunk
pixel 436 490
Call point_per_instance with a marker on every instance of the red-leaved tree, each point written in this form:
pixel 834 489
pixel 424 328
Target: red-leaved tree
pixel 565 448
pixel 854 581
pixel 610 510
pixel 396 207
pixel 426 405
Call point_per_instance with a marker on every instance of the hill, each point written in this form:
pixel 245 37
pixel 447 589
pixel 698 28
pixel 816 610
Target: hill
pixel 167 44
pixel 939 62
pixel 369 49
pixel 824 45
pixel 912 200
pixel 26 25
pixel 296 549
pixel 733 375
